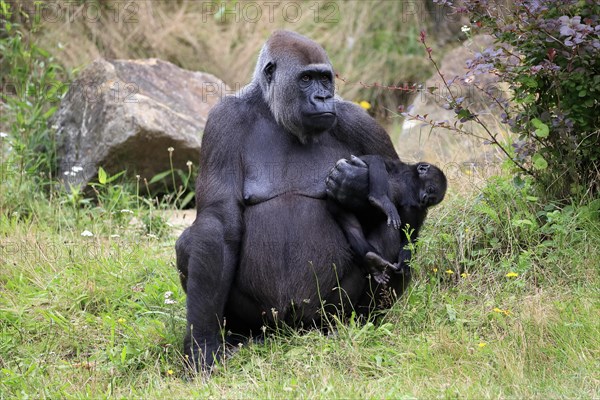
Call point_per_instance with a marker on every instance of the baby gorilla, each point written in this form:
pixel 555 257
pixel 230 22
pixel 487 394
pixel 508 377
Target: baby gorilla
pixel 403 192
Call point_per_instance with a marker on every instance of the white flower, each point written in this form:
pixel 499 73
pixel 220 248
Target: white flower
pixel 168 299
pixel 123 211
pixel 73 171
pixel 189 163
pixel 465 29
pixel 87 233
pixel 3 134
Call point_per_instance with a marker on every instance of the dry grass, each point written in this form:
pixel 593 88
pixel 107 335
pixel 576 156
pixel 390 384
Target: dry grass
pixel 368 41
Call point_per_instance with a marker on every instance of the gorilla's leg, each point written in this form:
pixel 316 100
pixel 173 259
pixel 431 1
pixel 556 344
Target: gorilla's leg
pixel 206 260
pixel 379 189
pixel 368 255
pixel 182 249
pixel 402 266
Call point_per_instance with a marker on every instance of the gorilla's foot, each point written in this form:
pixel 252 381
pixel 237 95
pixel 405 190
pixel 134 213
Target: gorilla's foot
pixel 377 267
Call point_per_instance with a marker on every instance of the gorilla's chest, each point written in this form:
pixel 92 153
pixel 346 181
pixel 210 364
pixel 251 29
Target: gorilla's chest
pixel 275 163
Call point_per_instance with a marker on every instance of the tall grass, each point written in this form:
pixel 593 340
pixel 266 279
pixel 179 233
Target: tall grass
pixel 368 41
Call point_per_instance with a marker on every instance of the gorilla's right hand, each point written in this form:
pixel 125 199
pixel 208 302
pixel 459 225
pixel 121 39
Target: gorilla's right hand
pixel 348 183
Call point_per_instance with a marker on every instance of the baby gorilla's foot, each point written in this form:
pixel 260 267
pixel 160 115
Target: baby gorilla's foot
pixel 377 267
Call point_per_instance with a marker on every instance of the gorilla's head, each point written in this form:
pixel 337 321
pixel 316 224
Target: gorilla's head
pixel 432 184
pixel 297 82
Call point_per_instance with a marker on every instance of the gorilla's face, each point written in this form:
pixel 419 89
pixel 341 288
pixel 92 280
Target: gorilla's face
pixel 296 80
pixel 432 185
pixel 316 101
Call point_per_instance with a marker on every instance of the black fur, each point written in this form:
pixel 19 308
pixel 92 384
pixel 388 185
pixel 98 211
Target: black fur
pixel 403 193
pixel 263 248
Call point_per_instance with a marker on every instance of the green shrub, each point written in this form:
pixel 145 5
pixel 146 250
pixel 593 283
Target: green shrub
pixel 507 229
pixel 31 90
pixel 549 54
pixel 556 87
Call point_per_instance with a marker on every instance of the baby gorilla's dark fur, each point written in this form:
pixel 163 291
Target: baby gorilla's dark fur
pixel 403 192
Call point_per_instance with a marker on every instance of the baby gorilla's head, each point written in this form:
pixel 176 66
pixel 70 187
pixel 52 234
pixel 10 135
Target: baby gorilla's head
pixel 432 184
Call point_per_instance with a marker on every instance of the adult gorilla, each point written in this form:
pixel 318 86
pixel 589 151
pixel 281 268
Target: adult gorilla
pixel 263 248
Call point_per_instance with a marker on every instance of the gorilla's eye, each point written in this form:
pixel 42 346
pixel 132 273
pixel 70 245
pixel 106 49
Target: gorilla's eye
pixel 269 68
pixel 305 78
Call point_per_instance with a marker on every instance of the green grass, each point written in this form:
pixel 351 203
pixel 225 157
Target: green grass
pixel 86 316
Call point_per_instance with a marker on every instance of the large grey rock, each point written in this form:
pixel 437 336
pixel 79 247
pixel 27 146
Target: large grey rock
pixel 419 141
pixel 125 114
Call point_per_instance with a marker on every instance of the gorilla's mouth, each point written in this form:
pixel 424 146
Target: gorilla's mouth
pixel 326 117
pixel 323 120
pixel 322 114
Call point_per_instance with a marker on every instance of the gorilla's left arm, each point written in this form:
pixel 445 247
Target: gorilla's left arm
pixel 348 182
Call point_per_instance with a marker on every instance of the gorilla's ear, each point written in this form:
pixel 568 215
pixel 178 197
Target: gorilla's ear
pixel 422 168
pixel 269 70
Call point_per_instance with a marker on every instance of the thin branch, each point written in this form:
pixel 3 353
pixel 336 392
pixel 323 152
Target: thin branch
pixel 473 116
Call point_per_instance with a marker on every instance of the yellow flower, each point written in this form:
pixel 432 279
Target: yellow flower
pixel 464 274
pixel 170 372
pixel 500 311
pixel 121 320
pixel 449 271
pixel 365 104
pixel 512 275
pixel 435 270
pixel 482 345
